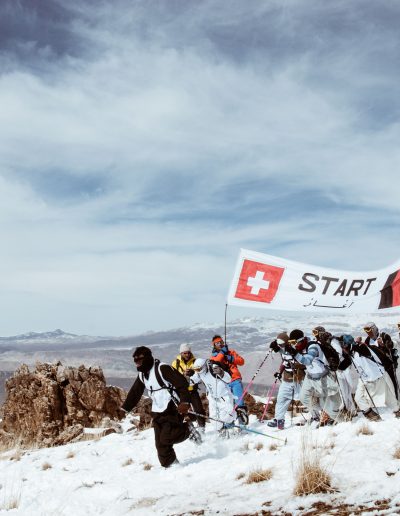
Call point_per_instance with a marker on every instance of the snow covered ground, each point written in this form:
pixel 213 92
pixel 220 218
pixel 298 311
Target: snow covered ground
pixel 120 474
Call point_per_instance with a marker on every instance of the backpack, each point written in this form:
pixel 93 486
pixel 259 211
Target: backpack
pixel 330 354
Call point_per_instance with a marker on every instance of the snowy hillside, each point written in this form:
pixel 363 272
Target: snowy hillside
pixel 120 474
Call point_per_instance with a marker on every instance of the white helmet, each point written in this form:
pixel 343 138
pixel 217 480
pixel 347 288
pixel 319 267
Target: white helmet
pixel 199 364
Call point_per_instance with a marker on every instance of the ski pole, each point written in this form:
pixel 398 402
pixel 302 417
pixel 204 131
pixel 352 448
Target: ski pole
pixel 271 392
pixel 366 388
pixel 241 427
pixel 252 380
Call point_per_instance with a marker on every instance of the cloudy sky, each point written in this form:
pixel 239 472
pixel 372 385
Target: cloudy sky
pixel 143 142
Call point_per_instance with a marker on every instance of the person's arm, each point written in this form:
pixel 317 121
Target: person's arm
pixel 308 357
pixel 134 395
pixel 235 359
pixel 178 381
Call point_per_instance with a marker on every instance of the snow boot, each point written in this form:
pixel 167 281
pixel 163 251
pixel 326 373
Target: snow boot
pixel 242 415
pixel 273 423
pixel 281 424
pixel 372 415
pixel 397 413
pixel 194 434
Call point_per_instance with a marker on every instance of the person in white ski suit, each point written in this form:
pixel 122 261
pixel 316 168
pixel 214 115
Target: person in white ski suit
pixel 374 382
pixel 347 385
pixel 320 389
pixel 220 398
pixel 291 375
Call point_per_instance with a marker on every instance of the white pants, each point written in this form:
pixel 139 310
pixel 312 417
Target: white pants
pixel 287 392
pixel 222 409
pixel 323 394
pixel 380 390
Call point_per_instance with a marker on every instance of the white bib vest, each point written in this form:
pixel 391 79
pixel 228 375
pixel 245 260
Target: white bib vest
pixel 368 369
pixel 159 395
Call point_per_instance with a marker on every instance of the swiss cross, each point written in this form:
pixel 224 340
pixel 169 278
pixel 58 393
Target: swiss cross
pixel 257 283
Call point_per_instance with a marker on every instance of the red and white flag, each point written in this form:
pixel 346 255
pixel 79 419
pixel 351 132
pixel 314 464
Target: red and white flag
pixel 266 281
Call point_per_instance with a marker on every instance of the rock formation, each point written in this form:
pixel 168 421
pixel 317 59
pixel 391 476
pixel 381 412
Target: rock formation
pixel 54 401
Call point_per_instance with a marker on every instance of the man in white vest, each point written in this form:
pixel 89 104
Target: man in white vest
pixel 170 398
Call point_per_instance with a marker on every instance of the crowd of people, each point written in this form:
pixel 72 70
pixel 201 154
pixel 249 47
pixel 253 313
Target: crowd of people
pixel 334 377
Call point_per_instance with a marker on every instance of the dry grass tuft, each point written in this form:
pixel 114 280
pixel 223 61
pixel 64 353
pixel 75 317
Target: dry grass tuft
pixel 16 456
pixel 240 476
pixel 396 454
pixel 364 429
pixel 245 448
pixel 128 462
pixel 259 475
pixel 10 504
pixel 311 476
pixel 147 466
pixel 70 455
pixel 46 465
pixel 259 446
pixel 273 447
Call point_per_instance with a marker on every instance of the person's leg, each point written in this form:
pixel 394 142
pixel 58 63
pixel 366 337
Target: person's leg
pixel 169 429
pixel 283 400
pixel 237 390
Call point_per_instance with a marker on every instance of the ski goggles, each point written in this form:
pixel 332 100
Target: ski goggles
pixel 295 341
pixel 368 329
pixel 280 342
pixel 315 332
pixel 218 341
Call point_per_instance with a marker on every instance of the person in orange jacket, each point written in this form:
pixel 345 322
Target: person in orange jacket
pixel 230 360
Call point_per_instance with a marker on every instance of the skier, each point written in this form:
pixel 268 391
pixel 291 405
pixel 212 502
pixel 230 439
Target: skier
pixel 162 383
pixel 229 360
pixel 183 363
pixel 375 387
pixel 291 373
pixel 219 394
pixel 344 378
pixel 319 389
pixel 385 343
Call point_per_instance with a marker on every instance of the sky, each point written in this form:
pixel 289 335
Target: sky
pixel 143 143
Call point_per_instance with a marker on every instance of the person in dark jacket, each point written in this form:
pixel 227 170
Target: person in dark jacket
pixel 170 397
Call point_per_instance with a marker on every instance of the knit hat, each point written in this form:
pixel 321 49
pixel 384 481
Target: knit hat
pixel 283 336
pixel 296 335
pixel 184 347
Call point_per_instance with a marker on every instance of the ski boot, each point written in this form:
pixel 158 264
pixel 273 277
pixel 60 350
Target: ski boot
pixel 273 423
pixel 242 415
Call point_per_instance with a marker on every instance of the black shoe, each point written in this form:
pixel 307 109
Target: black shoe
pixel 273 423
pixel 242 415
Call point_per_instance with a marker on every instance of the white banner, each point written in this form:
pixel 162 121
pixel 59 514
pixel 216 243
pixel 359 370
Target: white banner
pixel 270 282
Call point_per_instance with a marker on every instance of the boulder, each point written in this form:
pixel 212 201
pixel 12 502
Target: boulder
pixel 52 404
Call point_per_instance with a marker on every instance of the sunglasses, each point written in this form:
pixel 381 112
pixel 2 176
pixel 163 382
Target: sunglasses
pixel 219 341
pixel 367 329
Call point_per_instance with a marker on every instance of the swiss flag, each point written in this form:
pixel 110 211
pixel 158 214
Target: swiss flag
pixel 258 281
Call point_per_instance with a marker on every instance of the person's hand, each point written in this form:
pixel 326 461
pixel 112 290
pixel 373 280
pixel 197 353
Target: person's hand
pixel 274 346
pixel 278 375
pixel 189 372
pixel 358 340
pixel 183 408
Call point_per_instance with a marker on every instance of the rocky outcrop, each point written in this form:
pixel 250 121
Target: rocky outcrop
pixel 51 403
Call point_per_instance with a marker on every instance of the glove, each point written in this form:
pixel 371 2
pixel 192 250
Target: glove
pixel 189 372
pixel 289 349
pixel 183 408
pixel 274 346
pixel 278 375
